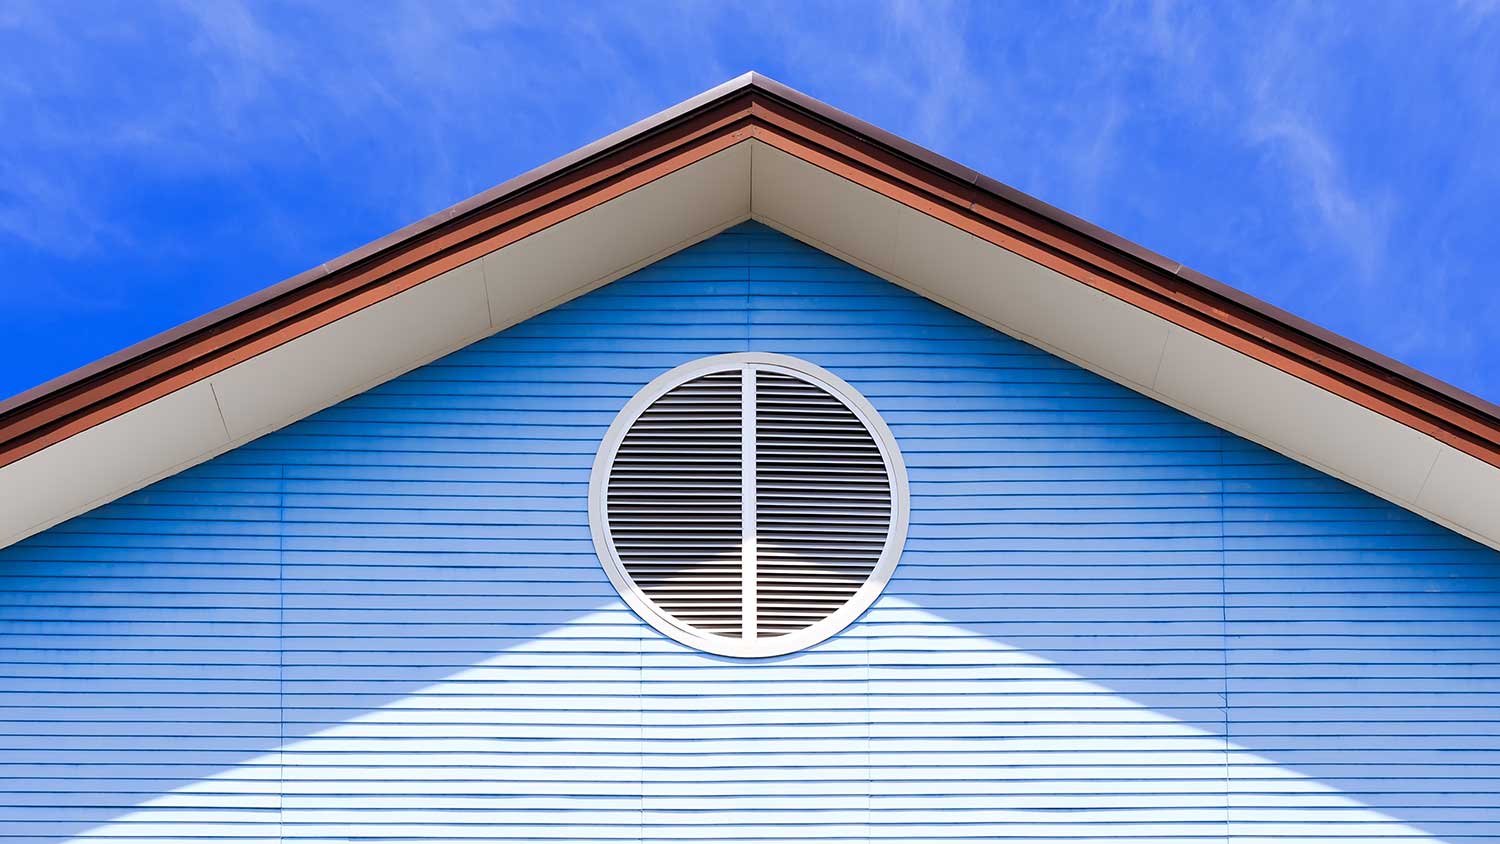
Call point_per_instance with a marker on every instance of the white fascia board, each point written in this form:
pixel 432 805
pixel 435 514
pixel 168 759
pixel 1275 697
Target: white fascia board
pixel 349 355
pixel 1463 488
pixel 373 345
pixel 1341 436
pixel 1126 344
pixel 98 465
pixel 619 237
pixel 996 286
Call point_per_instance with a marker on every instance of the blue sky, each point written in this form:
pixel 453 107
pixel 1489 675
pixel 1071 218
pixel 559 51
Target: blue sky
pixel 1340 160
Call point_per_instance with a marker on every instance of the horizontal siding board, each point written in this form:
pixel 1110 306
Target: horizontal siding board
pixel 386 622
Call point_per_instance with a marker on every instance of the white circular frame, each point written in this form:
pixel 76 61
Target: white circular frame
pixel 821 630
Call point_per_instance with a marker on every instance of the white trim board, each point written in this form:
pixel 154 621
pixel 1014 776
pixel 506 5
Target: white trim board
pixel 753 180
pixel 1126 344
pixel 373 345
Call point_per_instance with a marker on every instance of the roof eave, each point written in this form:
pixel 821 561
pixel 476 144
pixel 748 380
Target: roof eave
pixel 750 107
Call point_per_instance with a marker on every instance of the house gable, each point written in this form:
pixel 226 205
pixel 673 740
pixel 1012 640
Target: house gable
pixel 749 149
pixel 388 620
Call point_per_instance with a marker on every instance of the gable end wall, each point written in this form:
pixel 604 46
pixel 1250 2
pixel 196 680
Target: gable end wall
pixel 1111 621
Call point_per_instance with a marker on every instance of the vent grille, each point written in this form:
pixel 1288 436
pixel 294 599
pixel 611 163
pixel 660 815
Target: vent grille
pixel 675 503
pixel 822 503
pixel 749 502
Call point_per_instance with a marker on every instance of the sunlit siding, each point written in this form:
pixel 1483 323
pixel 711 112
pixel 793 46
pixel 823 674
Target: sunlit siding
pixel 1112 622
pixel 1362 654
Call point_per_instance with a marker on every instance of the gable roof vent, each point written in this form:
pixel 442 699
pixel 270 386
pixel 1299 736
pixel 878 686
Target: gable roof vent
pixel 749 504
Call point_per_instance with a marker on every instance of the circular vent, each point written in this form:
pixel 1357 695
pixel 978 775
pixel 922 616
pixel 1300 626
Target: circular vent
pixel 748 504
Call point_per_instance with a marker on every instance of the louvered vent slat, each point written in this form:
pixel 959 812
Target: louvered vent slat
pixel 675 502
pixel 737 567
pixel 812 452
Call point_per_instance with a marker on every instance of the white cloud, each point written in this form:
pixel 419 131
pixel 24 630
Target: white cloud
pixel 1359 221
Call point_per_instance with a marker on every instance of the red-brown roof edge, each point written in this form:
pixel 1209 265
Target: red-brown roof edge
pixel 664 119
pixel 411 231
pixel 1140 253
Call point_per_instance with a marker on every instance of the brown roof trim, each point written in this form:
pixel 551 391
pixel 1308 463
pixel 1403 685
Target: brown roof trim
pixel 1344 368
pixel 748 106
pixel 529 179
pixel 304 303
pixel 954 170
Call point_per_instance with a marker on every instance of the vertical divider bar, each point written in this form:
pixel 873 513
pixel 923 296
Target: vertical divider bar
pixel 748 596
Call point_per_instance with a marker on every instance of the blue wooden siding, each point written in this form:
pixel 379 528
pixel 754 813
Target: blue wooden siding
pixel 1112 622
